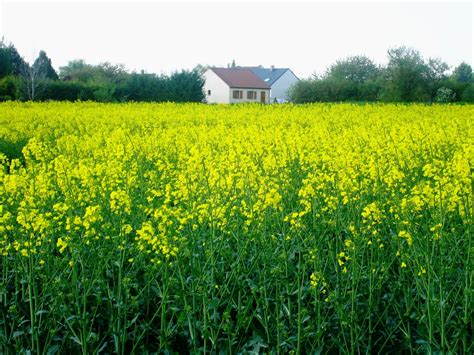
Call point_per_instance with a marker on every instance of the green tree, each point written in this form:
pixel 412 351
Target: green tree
pixel 435 75
pixel 76 70
pixel 11 63
pixel 79 70
pixel 43 65
pixel 17 61
pixel 462 73
pixel 9 86
pixel 6 67
pixel 355 78
pixel 143 87
pixel 186 86
pixel 352 79
pixel 105 93
pixel 33 78
pixel 302 91
pixel 468 93
pixel 436 69
pixel 406 76
pixel 356 69
pixel 111 73
pixel 69 91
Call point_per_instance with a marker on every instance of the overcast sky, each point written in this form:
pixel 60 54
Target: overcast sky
pixel 307 37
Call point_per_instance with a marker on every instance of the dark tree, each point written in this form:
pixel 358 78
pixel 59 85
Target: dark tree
pixel 43 65
pixel 462 73
pixel 143 87
pixel 5 60
pixel 357 69
pixel 18 63
pixel 11 63
pixel 436 73
pixel 186 86
pixel 32 81
pixel 406 76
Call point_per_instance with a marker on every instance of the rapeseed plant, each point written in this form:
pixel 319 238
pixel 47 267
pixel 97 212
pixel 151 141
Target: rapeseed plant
pixel 208 228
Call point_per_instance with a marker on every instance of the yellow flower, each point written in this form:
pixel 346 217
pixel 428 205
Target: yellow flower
pixel 155 179
pixel 422 271
pixel 342 258
pixel 407 236
pixel 127 228
pixel 120 202
pixel 61 244
pixel 314 280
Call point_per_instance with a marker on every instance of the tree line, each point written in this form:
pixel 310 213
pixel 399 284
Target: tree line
pixel 407 77
pixel 79 80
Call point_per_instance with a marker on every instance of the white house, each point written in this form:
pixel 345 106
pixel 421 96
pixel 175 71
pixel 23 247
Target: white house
pixel 279 80
pixel 234 85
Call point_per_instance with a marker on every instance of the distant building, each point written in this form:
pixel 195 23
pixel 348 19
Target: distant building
pixel 279 79
pixel 234 85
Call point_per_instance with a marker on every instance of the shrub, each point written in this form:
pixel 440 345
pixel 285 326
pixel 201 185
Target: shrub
pixel 9 87
pixel 445 95
pixel 468 93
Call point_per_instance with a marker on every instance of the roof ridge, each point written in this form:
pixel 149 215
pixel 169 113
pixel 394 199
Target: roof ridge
pixel 270 76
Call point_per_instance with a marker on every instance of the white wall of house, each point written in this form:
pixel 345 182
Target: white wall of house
pixel 244 95
pixel 281 86
pixel 218 89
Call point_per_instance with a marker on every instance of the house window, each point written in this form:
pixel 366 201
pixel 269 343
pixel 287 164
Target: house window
pixel 237 94
pixel 209 92
pixel 251 95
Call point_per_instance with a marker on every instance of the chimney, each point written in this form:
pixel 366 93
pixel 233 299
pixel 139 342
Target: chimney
pixel 272 67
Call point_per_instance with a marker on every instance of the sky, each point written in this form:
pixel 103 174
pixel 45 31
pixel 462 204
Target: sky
pixel 307 36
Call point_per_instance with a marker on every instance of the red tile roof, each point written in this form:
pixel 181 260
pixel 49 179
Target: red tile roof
pixel 240 78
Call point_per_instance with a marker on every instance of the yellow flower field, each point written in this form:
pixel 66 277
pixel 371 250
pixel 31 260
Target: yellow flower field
pixel 208 228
